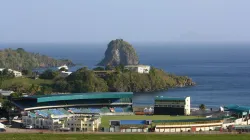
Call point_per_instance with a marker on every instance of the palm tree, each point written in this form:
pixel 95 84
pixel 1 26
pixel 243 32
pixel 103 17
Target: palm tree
pixel 202 107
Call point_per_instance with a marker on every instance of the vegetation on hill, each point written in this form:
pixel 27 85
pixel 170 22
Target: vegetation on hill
pixel 156 80
pixel 19 59
pixel 85 80
pixel 5 75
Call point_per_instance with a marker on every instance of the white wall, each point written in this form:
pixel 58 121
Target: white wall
pixel 139 68
pixel 2 125
pixel 187 106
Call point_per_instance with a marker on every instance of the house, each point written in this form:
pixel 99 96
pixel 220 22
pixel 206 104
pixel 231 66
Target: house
pixel 16 73
pixel 61 120
pixel 65 73
pixel 63 66
pixel 138 68
pixel 2 125
pixel 5 92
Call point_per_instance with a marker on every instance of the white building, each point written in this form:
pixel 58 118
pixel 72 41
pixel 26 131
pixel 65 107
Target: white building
pixel 63 66
pixel 172 106
pixel 65 73
pixel 83 123
pixel 6 92
pixel 2 125
pixel 16 73
pixel 138 68
pixel 73 122
pixel 213 125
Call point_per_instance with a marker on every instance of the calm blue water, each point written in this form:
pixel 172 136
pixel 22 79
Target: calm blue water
pixel 221 71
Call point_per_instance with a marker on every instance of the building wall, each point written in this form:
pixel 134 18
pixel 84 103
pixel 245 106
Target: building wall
pixel 187 106
pixel 139 68
pixel 81 123
pixel 16 73
pixel 186 128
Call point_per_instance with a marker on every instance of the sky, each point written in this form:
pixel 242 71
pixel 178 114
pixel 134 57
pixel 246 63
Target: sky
pixel 86 21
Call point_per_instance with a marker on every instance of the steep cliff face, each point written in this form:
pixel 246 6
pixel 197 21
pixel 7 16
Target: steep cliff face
pixel 119 52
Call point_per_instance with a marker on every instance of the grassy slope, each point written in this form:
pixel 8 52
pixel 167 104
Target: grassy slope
pixel 120 137
pixel 105 119
pixel 26 82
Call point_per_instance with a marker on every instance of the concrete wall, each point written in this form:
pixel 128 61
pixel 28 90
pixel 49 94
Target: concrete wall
pixel 186 128
pixel 187 106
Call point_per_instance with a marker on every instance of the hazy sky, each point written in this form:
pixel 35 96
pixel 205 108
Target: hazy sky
pixel 79 21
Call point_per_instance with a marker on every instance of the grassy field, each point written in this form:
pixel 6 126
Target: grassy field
pixel 105 119
pixel 121 137
pixel 25 82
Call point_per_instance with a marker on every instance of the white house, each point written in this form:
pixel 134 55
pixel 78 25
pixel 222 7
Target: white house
pixel 65 73
pixel 6 92
pixel 138 68
pixel 16 73
pixel 73 122
pixel 2 125
pixel 63 66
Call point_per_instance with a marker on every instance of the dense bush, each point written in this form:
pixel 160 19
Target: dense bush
pixel 49 74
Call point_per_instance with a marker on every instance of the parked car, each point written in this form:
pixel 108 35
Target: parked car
pixel 2 130
pixel 28 126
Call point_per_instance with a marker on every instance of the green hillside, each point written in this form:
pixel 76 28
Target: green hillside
pixel 19 59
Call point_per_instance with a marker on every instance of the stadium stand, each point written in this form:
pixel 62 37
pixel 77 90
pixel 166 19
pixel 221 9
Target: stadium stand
pixel 74 100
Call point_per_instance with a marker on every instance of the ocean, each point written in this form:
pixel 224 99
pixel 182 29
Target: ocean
pixel 221 71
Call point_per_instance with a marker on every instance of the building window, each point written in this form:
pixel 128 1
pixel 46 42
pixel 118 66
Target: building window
pixel 89 124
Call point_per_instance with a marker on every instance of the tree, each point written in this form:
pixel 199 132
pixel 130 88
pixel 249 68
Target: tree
pixel 17 87
pixel 16 95
pixel 20 50
pixel 7 105
pixel 108 67
pixel 1 98
pixel 63 69
pixel 26 72
pixel 49 74
pixel 7 74
pixel 202 107
pixel 46 90
pixel 98 69
pixel 84 80
pixel 34 89
pixel 61 86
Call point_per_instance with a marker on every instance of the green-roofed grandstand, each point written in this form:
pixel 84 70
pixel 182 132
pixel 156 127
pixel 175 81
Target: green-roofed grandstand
pixel 74 99
pixel 77 103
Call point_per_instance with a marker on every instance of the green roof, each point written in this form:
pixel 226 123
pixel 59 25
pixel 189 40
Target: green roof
pixel 77 96
pixel 170 98
pixel 238 109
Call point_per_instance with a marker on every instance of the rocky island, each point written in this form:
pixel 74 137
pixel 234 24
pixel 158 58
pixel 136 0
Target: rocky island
pixel 119 52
